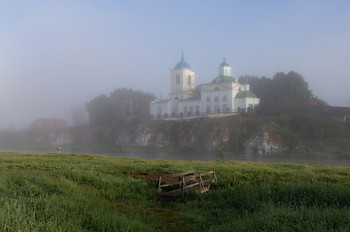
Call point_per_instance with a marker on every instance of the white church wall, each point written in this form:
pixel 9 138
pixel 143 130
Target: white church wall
pixel 245 103
pixel 240 104
pixel 225 71
pixel 189 106
pixel 252 102
pixel 183 80
pixel 216 101
pixel 215 97
pixel 160 108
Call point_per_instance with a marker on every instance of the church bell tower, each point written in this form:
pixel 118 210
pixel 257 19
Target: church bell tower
pixel 224 69
pixel 182 80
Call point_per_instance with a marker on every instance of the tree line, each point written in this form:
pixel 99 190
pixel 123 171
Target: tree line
pixel 120 106
pixel 284 93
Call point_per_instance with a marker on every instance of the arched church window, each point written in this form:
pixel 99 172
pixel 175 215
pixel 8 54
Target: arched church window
pixel 189 80
pixel 177 79
pixel 208 99
pixel 216 99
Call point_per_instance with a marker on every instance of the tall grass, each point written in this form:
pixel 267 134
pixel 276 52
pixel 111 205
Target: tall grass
pixel 51 192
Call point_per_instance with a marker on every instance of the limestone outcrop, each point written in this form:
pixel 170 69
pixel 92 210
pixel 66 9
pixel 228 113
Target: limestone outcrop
pixel 265 142
pixel 204 135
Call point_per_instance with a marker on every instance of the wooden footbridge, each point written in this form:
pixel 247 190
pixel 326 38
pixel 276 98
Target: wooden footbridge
pixel 177 184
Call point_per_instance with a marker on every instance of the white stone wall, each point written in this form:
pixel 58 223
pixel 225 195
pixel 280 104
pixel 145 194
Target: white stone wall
pixel 240 103
pixel 189 106
pixel 184 84
pixel 225 71
pixel 217 100
pixel 244 103
pixel 160 108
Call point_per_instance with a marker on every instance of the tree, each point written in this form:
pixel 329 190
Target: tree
pixel 130 103
pixel 121 105
pixel 100 110
pixel 282 94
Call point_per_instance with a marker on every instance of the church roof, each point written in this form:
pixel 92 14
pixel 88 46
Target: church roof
pixel 162 100
pixel 245 94
pixel 224 79
pixel 182 64
pixel 195 98
pixel 317 102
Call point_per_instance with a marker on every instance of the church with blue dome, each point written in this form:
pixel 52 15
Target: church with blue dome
pixel 222 96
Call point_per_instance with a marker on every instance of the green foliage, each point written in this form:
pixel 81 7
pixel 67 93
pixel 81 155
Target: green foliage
pixel 100 110
pixel 284 93
pixel 51 192
pixel 121 104
pixel 305 127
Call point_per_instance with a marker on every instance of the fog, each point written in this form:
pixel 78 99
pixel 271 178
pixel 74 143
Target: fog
pixel 58 54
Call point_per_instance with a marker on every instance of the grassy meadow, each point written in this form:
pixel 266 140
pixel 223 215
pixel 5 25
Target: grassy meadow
pixel 61 192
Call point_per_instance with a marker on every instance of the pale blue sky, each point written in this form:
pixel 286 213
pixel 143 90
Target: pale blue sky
pixel 57 54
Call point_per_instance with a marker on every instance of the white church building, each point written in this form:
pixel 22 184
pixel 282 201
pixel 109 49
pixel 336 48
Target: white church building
pixel 224 95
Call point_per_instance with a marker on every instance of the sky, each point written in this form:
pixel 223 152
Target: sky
pixel 55 55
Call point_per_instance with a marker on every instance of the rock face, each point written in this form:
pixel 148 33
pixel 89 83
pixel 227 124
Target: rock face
pixel 218 139
pixel 267 141
pixel 239 135
pixel 204 135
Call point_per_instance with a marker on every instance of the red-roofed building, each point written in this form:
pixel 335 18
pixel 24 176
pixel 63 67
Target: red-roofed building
pixel 49 123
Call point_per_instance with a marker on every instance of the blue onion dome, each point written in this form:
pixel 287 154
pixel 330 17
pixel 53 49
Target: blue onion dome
pixel 182 64
pixel 224 63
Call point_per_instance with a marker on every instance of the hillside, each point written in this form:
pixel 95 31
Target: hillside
pixel 60 192
pixel 249 137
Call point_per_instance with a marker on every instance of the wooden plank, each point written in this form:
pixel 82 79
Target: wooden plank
pixel 187 181
pixel 159 181
pixel 207 173
pixel 183 174
pixel 205 189
pixel 192 185
pixel 173 193
pixel 165 185
pixel 215 176
pixel 183 186
pixel 169 184
pixel 208 182
pixel 190 178
pixel 200 181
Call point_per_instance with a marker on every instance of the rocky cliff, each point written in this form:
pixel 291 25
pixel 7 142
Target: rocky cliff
pixel 249 136
pixel 240 135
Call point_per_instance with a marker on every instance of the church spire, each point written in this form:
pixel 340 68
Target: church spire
pixel 182 64
pixel 224 68
pixel 182 54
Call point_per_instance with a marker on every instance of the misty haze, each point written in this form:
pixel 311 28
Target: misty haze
pixel 59 56
pixel 111 110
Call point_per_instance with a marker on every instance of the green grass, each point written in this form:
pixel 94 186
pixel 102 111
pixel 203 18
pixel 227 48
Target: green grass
pixel 60 192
